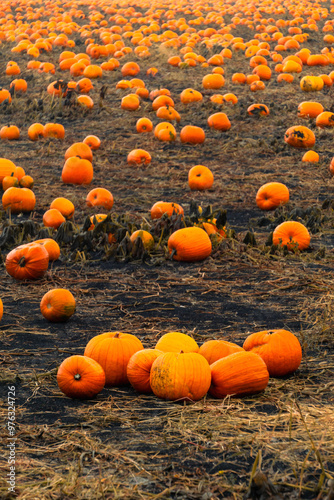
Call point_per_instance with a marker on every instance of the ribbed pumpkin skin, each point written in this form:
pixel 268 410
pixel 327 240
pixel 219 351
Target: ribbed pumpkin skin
pixel 240 373
pixel 113 350
pixel 139 368
pixel 90 383
pixel 18 200
pixel 27 262
pixel 176 376
pixel 176 342
pixel 292 234
pixel 299 137
pixel 57 305
pixel 213 350
pixel 272 195
pixel 279 349
pixel 190 244
pixel 51 247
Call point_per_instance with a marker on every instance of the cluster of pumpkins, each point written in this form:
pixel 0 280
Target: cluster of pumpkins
pixel 177 369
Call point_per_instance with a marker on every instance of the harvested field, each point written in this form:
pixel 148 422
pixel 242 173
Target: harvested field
pixel 278 444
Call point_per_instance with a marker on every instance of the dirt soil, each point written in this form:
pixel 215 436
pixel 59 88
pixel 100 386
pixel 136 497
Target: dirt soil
pixel 122 444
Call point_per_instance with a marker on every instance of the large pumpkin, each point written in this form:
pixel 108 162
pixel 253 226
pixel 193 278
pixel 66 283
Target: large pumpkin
pixel 18 200
pixel 299 137
pixel 272 195
pixel 77 171
pixel 239 374
pixel 190 244
pixel 139 368
pixel 80 377
pixel 292 234
pixel 7 167
pixel 279 349
pixel 57 305
pixel 213 350
pixel 180 376
pixel 112 350
pixel 27 262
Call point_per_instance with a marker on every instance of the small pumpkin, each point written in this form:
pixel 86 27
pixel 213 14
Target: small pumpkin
pixel 36 131
pixel 164 207
pixel 189 244
pixel 279 349
pixel 192 135
pixel 213 350
pixel 92 141
pixel 27 182
pixel 299 136
pixel 258 110
pixel 144 125
pixel 9 181
pixel 57 305
pixel 180 376
pixel 53 218
pixel 238 374
pixel 139 157
pixel 7 167
pixel 54 130
pixel 292 234
pixel 100 197
pixel 51 247
pixel 190 95
pixel 309 109
pixel 176 342
pixel 310 156
pixel 80 149
pixel 139 368
pixel 145 236
pixel 10 132
pixel 65 207
pixel 113 351
pixel 311 83
pixel 272 195
pixel 325 119
pixel 219 121
pixel 27 262
pixel 80 377
pixel 200 178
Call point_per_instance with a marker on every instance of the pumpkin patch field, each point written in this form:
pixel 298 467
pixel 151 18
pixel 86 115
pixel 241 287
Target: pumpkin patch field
pixel 166 250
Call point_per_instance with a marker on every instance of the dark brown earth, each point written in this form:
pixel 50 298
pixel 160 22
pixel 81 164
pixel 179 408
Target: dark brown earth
pixel 126 445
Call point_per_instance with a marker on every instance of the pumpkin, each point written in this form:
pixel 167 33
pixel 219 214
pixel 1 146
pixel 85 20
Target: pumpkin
pixel 130 69
pixel 113 351
pixel 54 130
pixel 190 95
pixel 213 81
pixel 258 110
pixel 238 374
pixel 139 368
pixel 77 170
pixel 18 200
pixel 51 247
pixel 7 168
pixel 53 218
pixel 92 141
pixel 279 349
pixel 180 376
pixel 5 95
pixel 27 262
pixel 168 113
pixel 10 132
pixel 176 342
pixel 65 207
pixel 309 109
pixel 19 172
pixel 85 101
pixel 36 131
pixel 200 178
pixel 325 119
pixel 20 85
pixel 292 234
pixel 145 236
pixel 311 83
pixel 27 182
pixel 189 244
pixel 192 134
pixel 219 121
pixel 165 126
pixel 162 101
pixel 299 136
pixel 272 195
pixel 144 125
pixel 1 309
pixel 80 377
pixel 130 102
pixel 310 156
pixel 80 149
pixel 164 207
pixel 139 157
pixel 57 305
pixel 213 350
pixel 100 197
pixel 9 181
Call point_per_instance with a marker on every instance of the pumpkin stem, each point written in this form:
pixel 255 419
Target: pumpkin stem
pixel 116 336
pixel 173 252
pixel 22 261
pixel 77 376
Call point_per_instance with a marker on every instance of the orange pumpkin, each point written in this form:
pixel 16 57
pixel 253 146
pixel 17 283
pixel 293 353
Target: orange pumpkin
pixel 113 350
pixel 58 305
pixel 36 131
pixel 18 200
pixel 272 195
pixel 238 374
pixel 299 136
pixel 100 197
pixel 27 262
pixel 164 207
pixel 81 150
pixel 80 377
pixel 309 109
pixel 139 157
pixel 176 342
pixel 200 178
pixel 51 247
pixel 219 121
pixel 213 350
pixel 65 207
pixel 292 234
pixel 7 168
pixel 53 218
pixel 145 236
pixel 10 132
pixel 92 141
pixel 139 368
pixel 189 244
pixel 279 349
pixel 192 135
pixel 77 170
